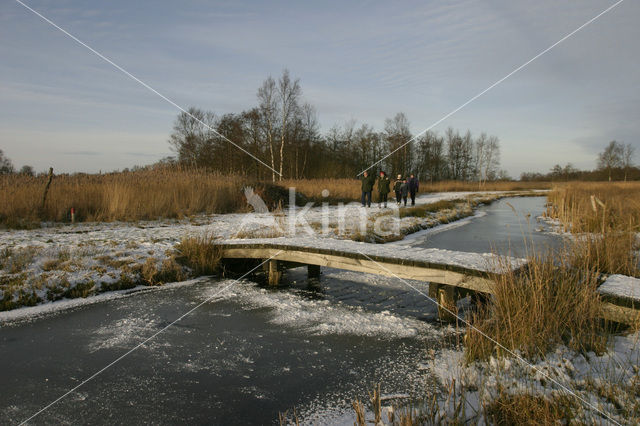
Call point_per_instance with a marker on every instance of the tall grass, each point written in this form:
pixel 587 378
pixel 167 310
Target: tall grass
pixel 346 190
pixel 534 310
pixel 150 194
pixel 454 185
pixel 139 195
pixel 596 207
pixel 200 254
pixel 339 190
pixel 605 217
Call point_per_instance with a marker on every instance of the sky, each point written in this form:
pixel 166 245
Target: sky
pixel 62 106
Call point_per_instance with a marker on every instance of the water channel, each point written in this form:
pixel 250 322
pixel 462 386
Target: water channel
pixel 251 352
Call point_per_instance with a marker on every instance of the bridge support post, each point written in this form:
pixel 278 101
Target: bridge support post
pixel 445 295
pixel 313 272
pixel 274 271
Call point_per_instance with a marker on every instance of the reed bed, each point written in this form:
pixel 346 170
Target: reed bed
pixel 549 303
pixel 596 207
pixel 345 190
pixel 605 217
pixel 337 190
pixel 140 195
pixel 454 186
pixel 155 193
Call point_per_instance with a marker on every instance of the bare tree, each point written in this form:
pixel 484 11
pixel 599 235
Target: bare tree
pixel 6 166
pixel 486 158
pixel 466 156
pixel 289 93
pixel 611 157
pixel 192 137
pixel 366 147
pixel 491 159
pixel 455 153
pixel 430 163
pixel 478 156
pixel 27 171
pixel 397 134
pixel 268 106
pixel 310 135
pixel 253 129
pixel 627 159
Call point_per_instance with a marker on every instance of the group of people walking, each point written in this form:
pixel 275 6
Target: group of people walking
pixel 403 188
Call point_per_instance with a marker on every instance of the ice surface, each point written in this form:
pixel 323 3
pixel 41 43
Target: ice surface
pixel 320 317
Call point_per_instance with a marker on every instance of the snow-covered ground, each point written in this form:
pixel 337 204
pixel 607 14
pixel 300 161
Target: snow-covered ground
pixel 103 253
pixel 603 387
pixel 46 264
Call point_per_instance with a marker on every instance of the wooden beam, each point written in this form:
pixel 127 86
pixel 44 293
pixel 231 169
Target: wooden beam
pixel 313 272
pixel 447 309
pixel 621 314
pixel 275 273
pixel 411 272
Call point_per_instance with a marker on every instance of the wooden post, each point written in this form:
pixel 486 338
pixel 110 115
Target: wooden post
pixel 433 291
pixel 447 299
pixel 445 295
pixel 274 272
pixel 46 189
pixel 313 272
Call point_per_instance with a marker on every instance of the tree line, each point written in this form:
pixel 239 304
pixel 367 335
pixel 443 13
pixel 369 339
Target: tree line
pixel 282 131
pixel 7 168
pixel 615 162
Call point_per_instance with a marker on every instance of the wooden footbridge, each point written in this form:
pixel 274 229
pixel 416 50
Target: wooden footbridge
pixel 451 275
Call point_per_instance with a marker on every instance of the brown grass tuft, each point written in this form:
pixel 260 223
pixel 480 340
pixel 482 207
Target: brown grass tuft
pixel 200 254
pixel 546 304
pixel 168 271
pixel 533 409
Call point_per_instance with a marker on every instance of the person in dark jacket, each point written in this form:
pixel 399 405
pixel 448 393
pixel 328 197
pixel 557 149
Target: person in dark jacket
pixel 413 188
pixel 396 188
pixel 367 187
pixel 383 189
pixel 404 191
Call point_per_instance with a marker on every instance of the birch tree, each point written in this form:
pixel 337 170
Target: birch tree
pixel 491 159
pixel 268 107
pixel 289 93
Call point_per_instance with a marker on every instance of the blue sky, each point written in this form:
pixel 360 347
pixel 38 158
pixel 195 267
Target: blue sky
pixel 62 106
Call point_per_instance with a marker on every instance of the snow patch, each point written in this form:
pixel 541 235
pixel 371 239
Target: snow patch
pixel 621 286
pixel 33 312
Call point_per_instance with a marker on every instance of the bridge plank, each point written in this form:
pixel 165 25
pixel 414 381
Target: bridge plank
pixel 467 263
pixel 470 271
pixel 380 267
